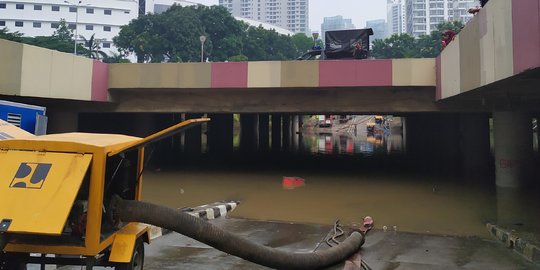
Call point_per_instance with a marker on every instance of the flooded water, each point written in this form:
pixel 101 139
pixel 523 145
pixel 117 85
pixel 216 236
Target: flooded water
pixel 348 174
pixel 407 202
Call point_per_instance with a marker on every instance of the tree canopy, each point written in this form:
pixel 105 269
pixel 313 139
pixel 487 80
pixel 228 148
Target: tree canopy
pixel 173 36
pixel 406 46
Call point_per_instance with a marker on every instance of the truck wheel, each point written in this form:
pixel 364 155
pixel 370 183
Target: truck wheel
pixel 137 259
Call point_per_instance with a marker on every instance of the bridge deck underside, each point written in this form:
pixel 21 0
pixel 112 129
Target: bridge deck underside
pixel 278 100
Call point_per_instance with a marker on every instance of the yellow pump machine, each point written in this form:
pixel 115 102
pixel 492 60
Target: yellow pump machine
pixel 54 196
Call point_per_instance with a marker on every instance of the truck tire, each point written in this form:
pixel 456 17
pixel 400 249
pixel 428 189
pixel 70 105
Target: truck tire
pixel 137 258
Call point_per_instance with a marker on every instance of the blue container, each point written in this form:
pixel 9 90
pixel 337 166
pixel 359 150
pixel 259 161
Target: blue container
pixel 28 117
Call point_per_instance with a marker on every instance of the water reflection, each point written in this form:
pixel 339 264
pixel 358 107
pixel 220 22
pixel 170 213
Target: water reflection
pixel 356 136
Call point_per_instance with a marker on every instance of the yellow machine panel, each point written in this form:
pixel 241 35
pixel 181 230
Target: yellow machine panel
pixel 38 189
pixel 9 131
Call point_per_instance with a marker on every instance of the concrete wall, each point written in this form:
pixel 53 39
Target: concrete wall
pixel 166 75
pixel 10 67
pixel 37 72
pixel 502 40
pixel 365 73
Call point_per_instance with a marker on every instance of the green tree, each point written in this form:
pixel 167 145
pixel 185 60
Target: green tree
pixel 396 46
pixel 173 36
pixel 92 48
pixel 302 43
pixel 115 58
pixel 61 40
pixel 62 32
pixel 406 46
pixel 13 36
pixel 262 44
pixel 238 58
pixel 430 45
pixel 224 32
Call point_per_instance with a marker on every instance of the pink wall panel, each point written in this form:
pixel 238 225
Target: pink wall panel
pixel 438 89
pixel 526 34
pixel 355 73
pixel 229 75
pixel 100 81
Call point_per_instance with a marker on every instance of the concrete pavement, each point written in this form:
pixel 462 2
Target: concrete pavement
pixel 382 250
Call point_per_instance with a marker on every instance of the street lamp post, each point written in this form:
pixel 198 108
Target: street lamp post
pixel 202 39
pixel 76 23
pixel 315 37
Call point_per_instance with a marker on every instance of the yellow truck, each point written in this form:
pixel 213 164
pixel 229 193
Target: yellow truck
pixel 55 192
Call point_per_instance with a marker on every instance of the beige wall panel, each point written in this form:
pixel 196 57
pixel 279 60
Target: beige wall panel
pixel 153 76
pixel 81 87
pixel 450 73
pixel 169 75
pixel 125 75
pixel 36 71
pixel 487 58
pixel 11 54
pixel 194 75
pixel 71 76
pixel 417 72
pixel 503 39
pixel 299 73
pixel 264 74
pixel 469 49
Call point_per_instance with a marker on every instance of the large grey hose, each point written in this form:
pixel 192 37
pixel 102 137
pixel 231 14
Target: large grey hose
pixel 203 231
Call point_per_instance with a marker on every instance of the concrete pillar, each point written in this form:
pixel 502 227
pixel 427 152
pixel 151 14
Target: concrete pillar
pixel 264 132
pixel 286 127
pixel 193 137
pixel 61 122
pixel 512 132
pixel 220 134
pixel 248 132
pixel 276 132
pixel 295 126
pixel 536 133
pixel 300 133
pixel 514 207
pixel 475 150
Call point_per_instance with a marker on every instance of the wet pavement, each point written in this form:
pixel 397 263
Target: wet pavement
pixel 382 249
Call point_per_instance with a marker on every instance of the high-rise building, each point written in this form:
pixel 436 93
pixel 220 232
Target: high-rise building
pixel 423 16
pixel 101 18
pixel 292 15
pixel 396 19
pixel 379 29
pixel 335 23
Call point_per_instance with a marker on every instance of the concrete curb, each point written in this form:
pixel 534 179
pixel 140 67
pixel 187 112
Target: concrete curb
pixel 527 250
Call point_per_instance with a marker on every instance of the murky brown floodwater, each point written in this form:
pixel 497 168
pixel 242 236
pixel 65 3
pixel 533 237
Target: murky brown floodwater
pixel 412 202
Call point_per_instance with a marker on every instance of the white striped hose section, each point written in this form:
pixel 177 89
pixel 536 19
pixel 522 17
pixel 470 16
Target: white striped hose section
pixel 207 212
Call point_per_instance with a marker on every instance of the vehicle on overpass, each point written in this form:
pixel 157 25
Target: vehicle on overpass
pixel 342 44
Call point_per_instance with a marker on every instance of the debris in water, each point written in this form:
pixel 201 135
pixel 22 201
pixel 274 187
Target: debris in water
pixel 291 182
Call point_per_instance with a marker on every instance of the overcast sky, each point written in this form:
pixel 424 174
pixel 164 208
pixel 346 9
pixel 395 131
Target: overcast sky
pixel 357 10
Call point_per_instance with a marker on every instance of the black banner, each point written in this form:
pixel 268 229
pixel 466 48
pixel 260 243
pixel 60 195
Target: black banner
pixel 342 43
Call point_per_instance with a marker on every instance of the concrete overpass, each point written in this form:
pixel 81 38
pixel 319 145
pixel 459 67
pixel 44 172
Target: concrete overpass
pixel 491 68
